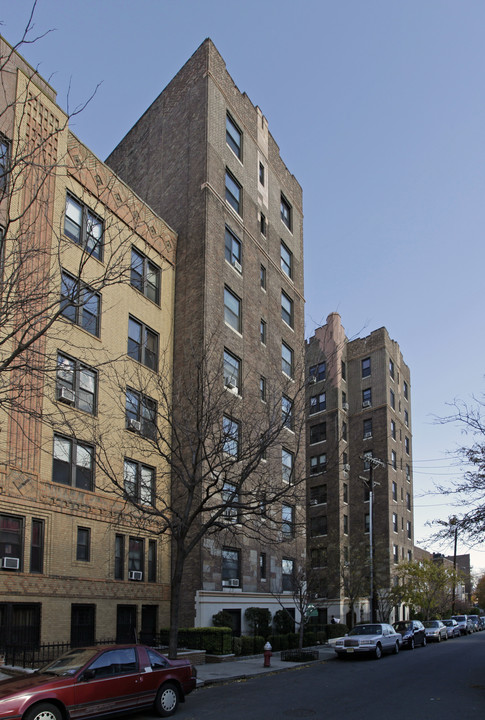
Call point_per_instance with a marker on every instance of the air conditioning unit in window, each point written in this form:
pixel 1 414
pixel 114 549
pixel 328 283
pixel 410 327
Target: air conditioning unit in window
pixel 234 582
pixel 312 379
pixel 346 468
pixel 135 575
pixel 345 406
pixel 314 501
pixel 230 386
pixel 366 403
pixel 237 266
pixel 10 563
pixel 134 425
pixel 367 435
pixel 66 395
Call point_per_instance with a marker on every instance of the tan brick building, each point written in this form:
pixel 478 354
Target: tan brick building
pixel 75 562
pixel 359 417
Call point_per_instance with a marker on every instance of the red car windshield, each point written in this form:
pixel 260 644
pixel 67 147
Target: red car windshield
pixel 69 663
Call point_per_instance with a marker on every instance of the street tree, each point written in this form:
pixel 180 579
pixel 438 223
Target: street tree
pixel 427 586
pixel 480 591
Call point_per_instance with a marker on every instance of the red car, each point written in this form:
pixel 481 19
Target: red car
pixel 94 681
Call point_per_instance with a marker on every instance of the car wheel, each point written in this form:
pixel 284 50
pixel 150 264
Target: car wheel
pixel 378 651
pixel 396 648
pixel 43 711
pixel 424 641
pixel 167 700
pixel 439 637
pixel 446 636
pixel 411 644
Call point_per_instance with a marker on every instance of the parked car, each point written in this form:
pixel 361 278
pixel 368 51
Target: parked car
pixel 412 633
pixel 463 623
pixel 96 681
pixel 474 621
pixel 373 638
pixel 452 628
pixel 481 622
pixel 435 630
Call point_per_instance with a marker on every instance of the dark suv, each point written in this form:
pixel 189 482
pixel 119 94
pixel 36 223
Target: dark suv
pixel 412 633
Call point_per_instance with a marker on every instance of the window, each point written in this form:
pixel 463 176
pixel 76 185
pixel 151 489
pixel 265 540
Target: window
pixel 394 491
pixel 285 212
pixel 230 431
pixel 345 405
pixel 408 501
pixel 145 276
pixel 76 384
pixel 287 359
pixel 79 304
pixel 318 495
pixel 394 522
pixel 233 250
pixel 366 367
pixel 391 368
pixel 233 137
pixel 37 547
pixel 233 192
pixel 139 482
pixel 344 431
pixel 136 555
pixel 232 371
pixel 288 521
pixel 287 574
pixel 73 463
pixel 152 561
pixel 4 164
pixel 232 310
pixel 261 174
pixel 405 389
pixel 262 277
pixel 262 566
pixel 141 414
pixel 142 344
pixel 410 555
pixel 11 537
pixel 287 309
pixel 346 524
pixel 394 460
pixel 287 461
pixel 318 403
pixel 318 371
pixel 367 428
pixel 367 397
pixel 318 433
pixel 287 412
pixel 344 370
pixel 83 545
pixel 318 464
pixel 406 445
pixel 230 498
pixel 231 566
pixel 83 226
pixel 318 525
pixel 119 557
pixel 408 529
pixel 395 551
pixel 392 399
pixel 366 492
pixel 286 259
pixel 393 429
pixel 406 418
pixel 262 331
pixel 318 557
pixel 262 388
pixel 346 493
pixel 408 473
pixel 367 523
pixel 262 223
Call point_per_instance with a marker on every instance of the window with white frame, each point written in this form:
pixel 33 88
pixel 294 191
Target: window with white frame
pixel 393 460
pixel 145 275
pixel 232 310
pixel 286 259
pixel 231 433
pixel 233 136
pixel 287 359
pixel 80 304
pixel 141 413
pixel 232 371
pixel 367 428
pixel 287 412
pixel 83 226
pixel 142 343
pixel 366 367
pixel 286 212
pixel 76 384
pixel 394 522
pixel 287 462
pixel 233 192
pixel 286 309
pixel 318 372
pixel 73 463
pixel 232 249
pixel 139 482
pixel 288 521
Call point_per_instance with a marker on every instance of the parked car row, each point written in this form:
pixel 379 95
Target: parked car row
pixel 379 638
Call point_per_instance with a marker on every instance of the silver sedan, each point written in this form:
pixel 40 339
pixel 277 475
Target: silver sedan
pixel 370 638
pixel 435 630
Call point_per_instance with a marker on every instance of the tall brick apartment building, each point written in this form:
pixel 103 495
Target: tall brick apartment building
pixel 74 565
pixel 359 401
pixel 202 156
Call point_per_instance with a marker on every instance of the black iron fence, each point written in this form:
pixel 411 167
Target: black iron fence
pixel 36 656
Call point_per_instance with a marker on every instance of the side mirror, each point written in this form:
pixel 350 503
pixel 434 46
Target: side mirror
pixel 88 675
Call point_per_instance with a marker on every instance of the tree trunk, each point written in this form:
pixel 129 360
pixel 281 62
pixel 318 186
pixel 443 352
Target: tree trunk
pixel 178 568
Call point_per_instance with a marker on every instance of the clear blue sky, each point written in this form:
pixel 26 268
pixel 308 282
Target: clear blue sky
pixel 378 107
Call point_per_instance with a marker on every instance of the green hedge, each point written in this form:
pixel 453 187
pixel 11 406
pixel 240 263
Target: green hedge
pixel 214 640
pixel 252 644
pixel 336 630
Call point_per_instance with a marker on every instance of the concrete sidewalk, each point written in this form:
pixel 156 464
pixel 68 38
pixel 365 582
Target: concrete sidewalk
pixel 228 671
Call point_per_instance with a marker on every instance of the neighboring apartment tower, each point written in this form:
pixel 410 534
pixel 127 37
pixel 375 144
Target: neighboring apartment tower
pixel 76 562
pixel 358 436
pixel 202 156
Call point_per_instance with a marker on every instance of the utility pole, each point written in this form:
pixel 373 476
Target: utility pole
pixel 452 522
pixel 370 482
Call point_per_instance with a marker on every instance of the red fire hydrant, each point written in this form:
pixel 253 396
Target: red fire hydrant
pixel 267 655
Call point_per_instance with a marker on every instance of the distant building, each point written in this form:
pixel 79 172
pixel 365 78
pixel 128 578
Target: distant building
pixel 358 436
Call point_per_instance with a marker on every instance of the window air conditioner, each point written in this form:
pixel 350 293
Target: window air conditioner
pixel 135 575
pixel 10 563
pixel 366 403
pixel 367 435
pixel 230 386
pixel 134 425
pixel 314 501
pixel 345 406
pixel 234 582
pixel 312 379
pixel 66 395
pixel 237 266
pixel 346 468
pixel 225 583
